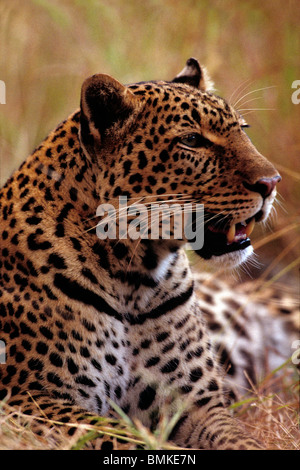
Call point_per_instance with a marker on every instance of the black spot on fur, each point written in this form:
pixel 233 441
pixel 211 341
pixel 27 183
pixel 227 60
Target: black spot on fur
pixel 146 398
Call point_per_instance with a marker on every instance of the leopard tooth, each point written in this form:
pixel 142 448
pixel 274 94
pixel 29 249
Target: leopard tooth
pixel 231 234
pixel 250 227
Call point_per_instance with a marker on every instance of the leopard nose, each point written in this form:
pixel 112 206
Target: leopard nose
pixel 264 186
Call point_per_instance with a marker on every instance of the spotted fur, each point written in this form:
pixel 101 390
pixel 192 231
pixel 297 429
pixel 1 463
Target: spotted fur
pixel 85 320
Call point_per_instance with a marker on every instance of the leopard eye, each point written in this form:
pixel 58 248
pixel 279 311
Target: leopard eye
pixel 195 141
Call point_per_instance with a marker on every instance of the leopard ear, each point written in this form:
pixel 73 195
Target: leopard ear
pixel 194 75
pixel 107 109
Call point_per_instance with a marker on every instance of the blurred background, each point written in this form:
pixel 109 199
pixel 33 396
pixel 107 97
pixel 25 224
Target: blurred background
pixel 251 50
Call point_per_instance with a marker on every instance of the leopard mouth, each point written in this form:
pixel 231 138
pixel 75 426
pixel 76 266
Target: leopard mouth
pixel 220 239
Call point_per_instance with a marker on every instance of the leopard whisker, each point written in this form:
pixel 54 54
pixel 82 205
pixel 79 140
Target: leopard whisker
pixel 240 89
pixel 257 109
pixel 251 92
pixel 141 199
pixel 149 204
pixel 250 101
pixel 133 254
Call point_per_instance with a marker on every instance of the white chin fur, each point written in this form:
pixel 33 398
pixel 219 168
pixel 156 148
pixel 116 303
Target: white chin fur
pixel 231 260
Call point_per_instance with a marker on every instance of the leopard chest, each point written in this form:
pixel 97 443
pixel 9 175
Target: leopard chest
pixel 94 365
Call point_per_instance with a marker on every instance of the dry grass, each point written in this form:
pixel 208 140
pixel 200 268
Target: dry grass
pixel 15 434
pixel 270 412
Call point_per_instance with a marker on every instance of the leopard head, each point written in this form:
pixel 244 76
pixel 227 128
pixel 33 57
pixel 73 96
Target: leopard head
pixel 177 141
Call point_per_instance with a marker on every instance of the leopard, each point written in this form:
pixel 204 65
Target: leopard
pixel 90 322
